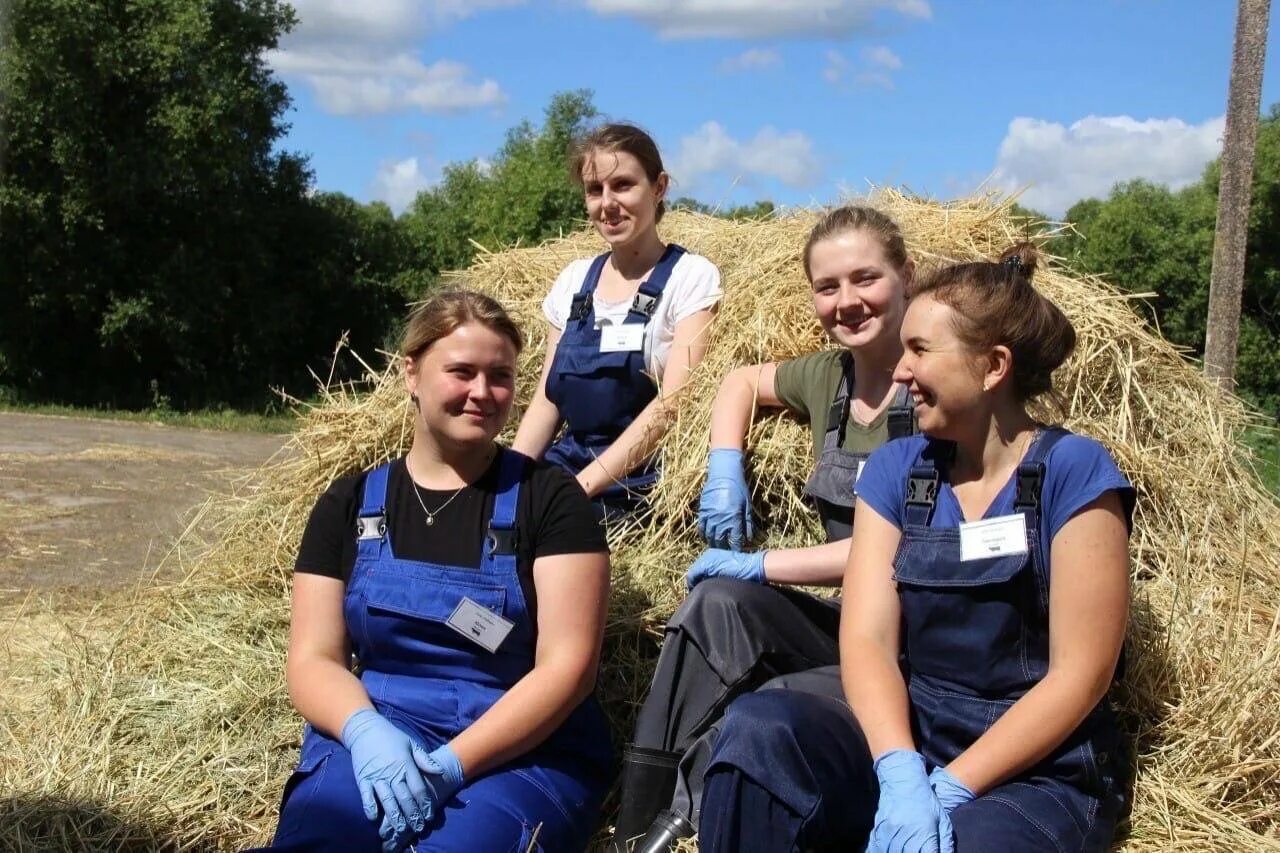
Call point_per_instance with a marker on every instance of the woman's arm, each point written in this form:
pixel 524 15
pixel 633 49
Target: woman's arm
pixel 572 591
pixel 740 393
pixel 317 669
pixel 638 442
pixel 1088 608
pixel 818 565
pixel 869 635
pixel 541 420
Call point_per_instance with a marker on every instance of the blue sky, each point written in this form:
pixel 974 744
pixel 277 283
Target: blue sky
pixel 791 100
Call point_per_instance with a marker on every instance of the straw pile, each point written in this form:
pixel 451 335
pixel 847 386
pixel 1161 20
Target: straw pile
pixel 173 727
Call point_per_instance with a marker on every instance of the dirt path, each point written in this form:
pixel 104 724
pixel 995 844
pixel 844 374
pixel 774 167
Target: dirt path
pixel 94 503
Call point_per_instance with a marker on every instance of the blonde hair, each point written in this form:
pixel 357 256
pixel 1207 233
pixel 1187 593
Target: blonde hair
pixel 854 217
pixel 442 315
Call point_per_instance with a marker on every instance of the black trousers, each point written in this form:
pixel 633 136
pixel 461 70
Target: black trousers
pixel 731 637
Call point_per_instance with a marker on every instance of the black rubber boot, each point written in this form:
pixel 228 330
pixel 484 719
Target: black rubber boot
pixel 667 828
pixel 648 782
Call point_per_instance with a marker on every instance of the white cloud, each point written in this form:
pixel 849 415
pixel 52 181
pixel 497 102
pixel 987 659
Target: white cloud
pixel 750 60
pixel 361 58
pixel 355 83
pixel 881 57
pixel 398 184
pixel 758 18
pixel 1066 164
pixel 873 71
pixel 710 150
pixel 837 66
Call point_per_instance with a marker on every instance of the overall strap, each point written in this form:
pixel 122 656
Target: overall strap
pixel 500 541
pixel 838 414
pixel 1031 474
pixel 650 292
pixel 371 521
pixel 902 414
pixel 923 482
pixel 582 305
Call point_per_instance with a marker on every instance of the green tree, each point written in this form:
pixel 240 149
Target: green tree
pixel 1145 238
pixel 149 227
pixel 525 195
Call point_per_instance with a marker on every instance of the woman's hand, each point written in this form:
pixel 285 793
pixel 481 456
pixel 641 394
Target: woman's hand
pixel 724 509
pixel 718 563
pixel 908 813
pixel 442 773
pixel 386 760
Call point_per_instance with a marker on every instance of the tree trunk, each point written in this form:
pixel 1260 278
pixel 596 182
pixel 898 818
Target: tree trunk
pixel 1234 190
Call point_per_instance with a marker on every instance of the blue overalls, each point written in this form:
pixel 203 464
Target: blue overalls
pixel 599 393
pixel 432 683
pixel 976 639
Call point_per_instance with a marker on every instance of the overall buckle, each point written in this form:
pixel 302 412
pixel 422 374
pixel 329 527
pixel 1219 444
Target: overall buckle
pixel 371 526
pixel 501 541
pixel 644 304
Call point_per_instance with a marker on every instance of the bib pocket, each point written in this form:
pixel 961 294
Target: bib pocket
pixel 966 622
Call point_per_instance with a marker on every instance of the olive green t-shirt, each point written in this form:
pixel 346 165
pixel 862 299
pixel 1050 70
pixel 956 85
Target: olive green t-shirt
pixel 807 385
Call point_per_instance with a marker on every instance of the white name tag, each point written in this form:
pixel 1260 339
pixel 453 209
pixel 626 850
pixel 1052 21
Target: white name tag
pixel 624 337
pixel 480 625
pixel 993 537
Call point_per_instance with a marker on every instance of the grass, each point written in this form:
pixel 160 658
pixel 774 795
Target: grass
pixel 225 420
pixel 1264 441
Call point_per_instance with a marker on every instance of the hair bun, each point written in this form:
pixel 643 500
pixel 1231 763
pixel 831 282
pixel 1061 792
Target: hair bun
pixel 1021 258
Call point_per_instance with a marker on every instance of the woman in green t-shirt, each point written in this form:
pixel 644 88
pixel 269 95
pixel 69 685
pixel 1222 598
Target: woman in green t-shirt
pixel 736 630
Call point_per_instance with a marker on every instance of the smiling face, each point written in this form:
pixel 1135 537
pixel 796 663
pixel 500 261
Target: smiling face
pixel 465 383
pixel 858 294
pixel 622 202
pixel 945 377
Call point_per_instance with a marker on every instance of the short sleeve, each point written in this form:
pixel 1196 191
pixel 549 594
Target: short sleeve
pixel 698 287
pixel 806 385
pixel 327 547
pixel 565 520
pixel 883 483
pixel 1078 471
pixel 559 300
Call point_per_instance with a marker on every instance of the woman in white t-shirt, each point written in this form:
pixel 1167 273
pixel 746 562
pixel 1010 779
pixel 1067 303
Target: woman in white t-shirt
pixel 626 328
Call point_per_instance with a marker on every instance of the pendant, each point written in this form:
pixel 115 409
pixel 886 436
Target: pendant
pixel 430 520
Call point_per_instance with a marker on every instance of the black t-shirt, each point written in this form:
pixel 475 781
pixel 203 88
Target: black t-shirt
pixel 553 516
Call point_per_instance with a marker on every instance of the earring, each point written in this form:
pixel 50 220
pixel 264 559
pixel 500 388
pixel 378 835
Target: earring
pixel 413 395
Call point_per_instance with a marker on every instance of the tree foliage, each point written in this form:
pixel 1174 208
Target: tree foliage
pixel 1146 238
pixel 523 195
pixel 153 241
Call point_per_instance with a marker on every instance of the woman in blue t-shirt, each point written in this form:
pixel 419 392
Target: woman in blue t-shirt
pixel 977 716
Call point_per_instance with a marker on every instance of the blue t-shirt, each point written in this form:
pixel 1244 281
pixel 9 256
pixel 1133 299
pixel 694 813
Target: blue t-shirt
pixel 1077 471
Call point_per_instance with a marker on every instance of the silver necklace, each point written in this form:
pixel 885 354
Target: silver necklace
pixel 431 516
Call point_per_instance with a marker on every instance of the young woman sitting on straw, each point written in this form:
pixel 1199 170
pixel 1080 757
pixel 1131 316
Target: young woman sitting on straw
pixel 736 630
pixel 985 605
pixel 619 324
pixel 470 583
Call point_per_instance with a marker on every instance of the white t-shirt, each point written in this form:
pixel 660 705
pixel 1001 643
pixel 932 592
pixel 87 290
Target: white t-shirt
pixel 693 286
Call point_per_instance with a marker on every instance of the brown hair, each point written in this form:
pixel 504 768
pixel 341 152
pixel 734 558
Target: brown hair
pixel 853 217
pixel 995 304
pixel 619 136
pixel 444 313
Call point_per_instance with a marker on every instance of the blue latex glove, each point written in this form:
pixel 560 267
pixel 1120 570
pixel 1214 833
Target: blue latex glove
pixel 951 792
pixel 908 813
pixel 442 772
pixel 724 510
pixel 719 563
pixel 385 761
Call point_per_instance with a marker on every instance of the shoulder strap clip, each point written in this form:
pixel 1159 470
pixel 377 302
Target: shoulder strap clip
pixel 371 526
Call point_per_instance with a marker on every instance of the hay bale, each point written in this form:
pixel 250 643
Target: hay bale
pixel 176 728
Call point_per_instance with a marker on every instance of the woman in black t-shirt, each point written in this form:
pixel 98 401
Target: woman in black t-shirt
pixel 470 583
